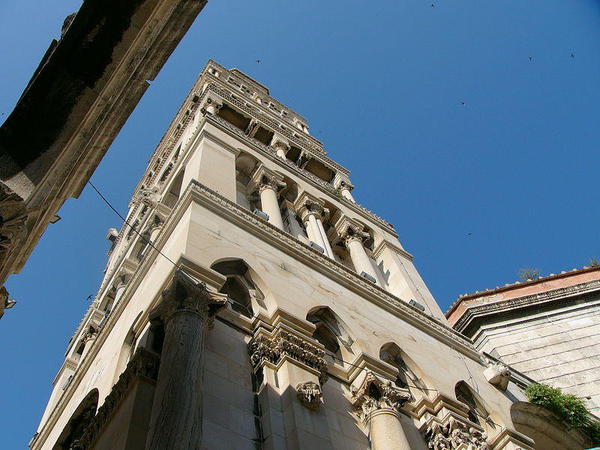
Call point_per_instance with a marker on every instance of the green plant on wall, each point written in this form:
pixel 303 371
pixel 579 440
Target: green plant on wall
pixel 568 408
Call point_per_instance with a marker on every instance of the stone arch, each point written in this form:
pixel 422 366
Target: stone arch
pixel 334 334
pixel 127 348
pixel 545 429
pixel 173 192
pixel 76 425
pixel 245 165
pixel 410 375
pixel 242 285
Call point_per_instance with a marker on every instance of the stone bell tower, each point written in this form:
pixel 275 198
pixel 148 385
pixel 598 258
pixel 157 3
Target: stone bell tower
pixel 251 303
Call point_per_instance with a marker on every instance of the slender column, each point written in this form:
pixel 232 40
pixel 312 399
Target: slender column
pixel 176 419
pixel 270 205
pixel 378 403
pixel 362 263
pixel 281 145
pixel 312 211
pixel 268 183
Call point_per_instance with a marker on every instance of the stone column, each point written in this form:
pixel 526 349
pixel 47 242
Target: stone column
pixel 268 184
pixel 352 233
pixel 378 403
pixel 186 310
pixel 312 211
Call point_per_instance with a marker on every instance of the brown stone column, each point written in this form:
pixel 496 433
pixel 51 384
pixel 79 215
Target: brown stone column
pixel 176 420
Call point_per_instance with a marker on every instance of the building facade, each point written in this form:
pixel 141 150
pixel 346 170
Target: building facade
pixel 547 328
pixel 251 303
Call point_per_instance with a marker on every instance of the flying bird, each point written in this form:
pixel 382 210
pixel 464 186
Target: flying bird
pixel 463 103
pixel 469 234
pixel 258 61
pixel 572 55
pixel 433 5
pixel 531 58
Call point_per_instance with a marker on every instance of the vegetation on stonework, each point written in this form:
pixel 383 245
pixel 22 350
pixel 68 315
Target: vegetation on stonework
pixel 567 407
pixel 529 274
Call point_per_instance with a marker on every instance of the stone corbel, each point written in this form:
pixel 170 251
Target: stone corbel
pixel 310 394
pixel 498 375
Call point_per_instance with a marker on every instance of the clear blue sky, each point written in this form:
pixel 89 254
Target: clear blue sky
pixel 381 84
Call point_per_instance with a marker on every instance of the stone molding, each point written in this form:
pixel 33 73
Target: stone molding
pixel 454 434
pixel 143 364
pixel 310 394
pixel 521 302
pixel 265 178
pixel 273 347
pixel 375 394
pixel 187 295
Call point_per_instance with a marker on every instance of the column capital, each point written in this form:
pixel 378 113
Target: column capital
pixel 280 142
pixel 375 394
pixel 264 178
pixel 350 230
pixel 188 295
pixel 307 204
pixel 341 181
pixel 454 434
pixel 212 106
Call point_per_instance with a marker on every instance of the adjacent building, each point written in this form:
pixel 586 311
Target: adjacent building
pixel 251 303
pixel 547 328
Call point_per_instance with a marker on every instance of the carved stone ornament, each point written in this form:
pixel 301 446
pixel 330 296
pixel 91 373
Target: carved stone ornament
pixel 12 220
pixel 455 435
pixel 310 394
pixel 187 295
pixel 148 196
pixel 498 375
pixel 272 349
pixel 143 364
pixel 374 394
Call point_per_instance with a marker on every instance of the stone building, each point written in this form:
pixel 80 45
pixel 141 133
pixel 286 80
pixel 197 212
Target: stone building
pixel 75 104
pixel 547 328
pixel 253 304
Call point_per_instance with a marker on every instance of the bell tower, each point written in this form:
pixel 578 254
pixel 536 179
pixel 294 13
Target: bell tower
pixel 251 303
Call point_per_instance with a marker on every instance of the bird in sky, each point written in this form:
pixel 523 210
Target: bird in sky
pixel 531 58
pixel 258 61
pixel 433 5
pixel 463 103
pixel 469 234
pixel 572 55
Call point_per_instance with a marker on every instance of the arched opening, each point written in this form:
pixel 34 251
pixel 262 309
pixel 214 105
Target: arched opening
pixel 174 191
pixel 332 334
pixel 245 165
pixel 239 286
pixel 75 428
pixel 409 375
pixel 477 412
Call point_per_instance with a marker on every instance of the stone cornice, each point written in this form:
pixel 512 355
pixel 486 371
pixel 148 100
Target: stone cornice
pixel 473 312
pixel 394 247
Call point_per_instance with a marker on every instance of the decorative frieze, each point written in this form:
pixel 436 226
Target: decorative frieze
pixel 273 347
pixel 374 394
pixel 310 394
pixel 454 434
pixel 143 364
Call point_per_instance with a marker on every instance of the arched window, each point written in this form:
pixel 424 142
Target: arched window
pixel 465 395
pixel 332 334
pixel 239 286
pixel 75 428
pixel 407 370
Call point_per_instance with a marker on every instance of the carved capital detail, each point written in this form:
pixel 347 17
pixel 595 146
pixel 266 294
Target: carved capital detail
pixel 454 435
pixel 374 394
pixel 187 295
pixel 306 205
pixel 273 347
pixel 310 394
pixel 13 220
pixel 264 178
